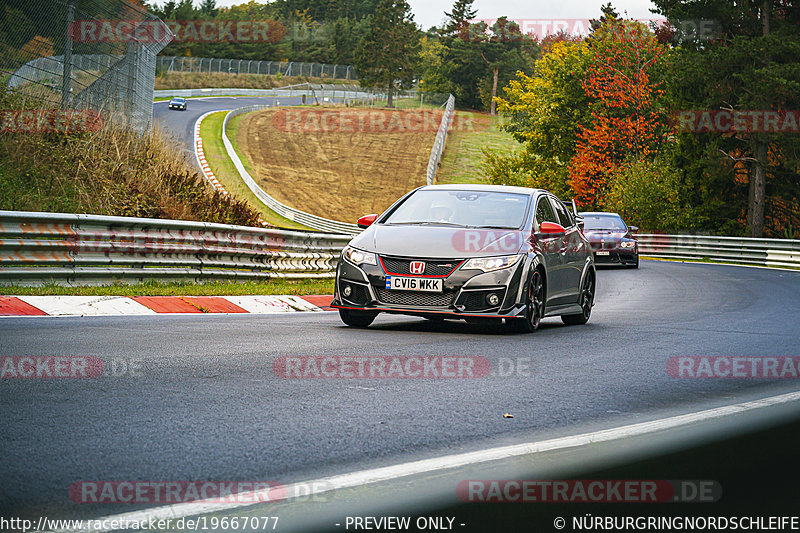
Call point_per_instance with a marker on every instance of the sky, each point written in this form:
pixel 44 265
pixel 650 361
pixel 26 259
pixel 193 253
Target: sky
pixel 429 13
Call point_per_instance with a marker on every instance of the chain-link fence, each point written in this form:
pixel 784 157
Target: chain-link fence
pixel 246 66
pixel 55 54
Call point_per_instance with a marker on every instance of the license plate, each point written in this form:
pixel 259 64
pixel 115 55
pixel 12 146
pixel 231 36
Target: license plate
pixel 603 253
pixel 414 284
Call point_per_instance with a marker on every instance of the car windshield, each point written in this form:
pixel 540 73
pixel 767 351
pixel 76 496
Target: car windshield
pixel 466 208
pixel 603 222
pixel 178 100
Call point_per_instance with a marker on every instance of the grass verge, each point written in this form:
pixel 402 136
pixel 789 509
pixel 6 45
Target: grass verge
pixel 706 260
pixel 226 173
pixel 106 170
pixel 471 133
pixel 154 288
pixel 202 80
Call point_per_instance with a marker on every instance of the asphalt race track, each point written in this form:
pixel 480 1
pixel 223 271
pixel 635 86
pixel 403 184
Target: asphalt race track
pixel 206 405
pixel 181 123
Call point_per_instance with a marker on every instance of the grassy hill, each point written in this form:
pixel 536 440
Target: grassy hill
pixel 342 172
pixel 107 172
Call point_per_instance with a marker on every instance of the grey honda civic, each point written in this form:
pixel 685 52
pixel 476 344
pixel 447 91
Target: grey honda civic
pixel 482 253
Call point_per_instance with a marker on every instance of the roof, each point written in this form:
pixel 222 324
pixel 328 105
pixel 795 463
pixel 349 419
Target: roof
pixel 481 187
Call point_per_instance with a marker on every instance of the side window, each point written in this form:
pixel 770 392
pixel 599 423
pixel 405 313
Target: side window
pixel 544 213
pixel 563 214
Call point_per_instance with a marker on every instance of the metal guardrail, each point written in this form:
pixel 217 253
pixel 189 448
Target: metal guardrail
pixel 37 248
pixel 253 66
pixel 346 92
pixel 764 252
pixel 63 248
pixel 441 139
pixel 307 219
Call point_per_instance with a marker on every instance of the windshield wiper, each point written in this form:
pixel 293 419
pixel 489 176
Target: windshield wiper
pixel 493 227
pixel 425 223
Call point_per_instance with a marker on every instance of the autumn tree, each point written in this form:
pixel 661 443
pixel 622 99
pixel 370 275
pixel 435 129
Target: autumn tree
pixel 627 117
pixel 750 62
pixel 543 111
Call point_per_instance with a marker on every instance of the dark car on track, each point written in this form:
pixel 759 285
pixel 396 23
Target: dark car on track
pixel 477 252
pixel 178 103
pixel 612 240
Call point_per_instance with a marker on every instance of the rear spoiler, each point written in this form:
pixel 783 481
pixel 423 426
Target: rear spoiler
pixel 571 203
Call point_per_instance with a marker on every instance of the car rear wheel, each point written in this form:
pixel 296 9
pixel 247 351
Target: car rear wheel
pixel 534 306
pixel 356 319
pixel 586 302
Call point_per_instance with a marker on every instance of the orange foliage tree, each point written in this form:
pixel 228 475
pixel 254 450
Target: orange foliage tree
pixel 627 117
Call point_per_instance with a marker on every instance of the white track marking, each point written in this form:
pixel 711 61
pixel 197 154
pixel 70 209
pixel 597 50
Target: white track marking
pixel 87 305
pixel 263 304
pixel 377 475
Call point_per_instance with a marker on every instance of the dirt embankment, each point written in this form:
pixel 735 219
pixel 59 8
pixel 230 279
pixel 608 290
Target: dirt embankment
pixel 335 162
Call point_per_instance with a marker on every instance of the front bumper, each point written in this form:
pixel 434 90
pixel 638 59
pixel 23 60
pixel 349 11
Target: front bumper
pixel 616 257
pixel 464 292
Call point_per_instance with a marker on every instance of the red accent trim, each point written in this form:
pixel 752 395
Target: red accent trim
pixel 551 228
pixel 416 275
pixel 366 220
pixel 422 311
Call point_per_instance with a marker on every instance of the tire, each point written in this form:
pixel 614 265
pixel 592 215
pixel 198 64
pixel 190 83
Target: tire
pixel 586 303
pixel 356 319
pixel 635 264
pixel 534 306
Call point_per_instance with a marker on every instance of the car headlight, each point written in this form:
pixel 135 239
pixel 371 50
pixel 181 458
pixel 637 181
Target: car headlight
pixel 358 257
pixel 627 244
pixel 488 264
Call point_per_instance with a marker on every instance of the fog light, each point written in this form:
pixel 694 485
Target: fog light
pixel 492 299
pixel 347 291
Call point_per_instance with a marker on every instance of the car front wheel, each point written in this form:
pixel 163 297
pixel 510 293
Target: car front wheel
pixel 356 319
pixel 586 303
pixel 534 306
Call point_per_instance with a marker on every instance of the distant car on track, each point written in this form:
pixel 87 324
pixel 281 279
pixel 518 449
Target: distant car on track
pixel 178 103
pixel 612 240
pixel 476 252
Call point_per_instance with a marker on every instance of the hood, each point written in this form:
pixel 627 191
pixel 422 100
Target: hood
pixel 438 241
pixel 595 235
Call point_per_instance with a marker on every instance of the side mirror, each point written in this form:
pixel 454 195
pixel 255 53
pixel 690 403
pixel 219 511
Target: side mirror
pixel 366 221
pixel 551 229
pixel 633 229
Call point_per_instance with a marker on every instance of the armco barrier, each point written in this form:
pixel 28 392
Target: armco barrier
pixel 441 139
pixel 307 219
pixel 343 92
pixel 766 252
pixel 82 249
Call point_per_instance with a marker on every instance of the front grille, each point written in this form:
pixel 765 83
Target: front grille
pixel 441 267
pixel 414 298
